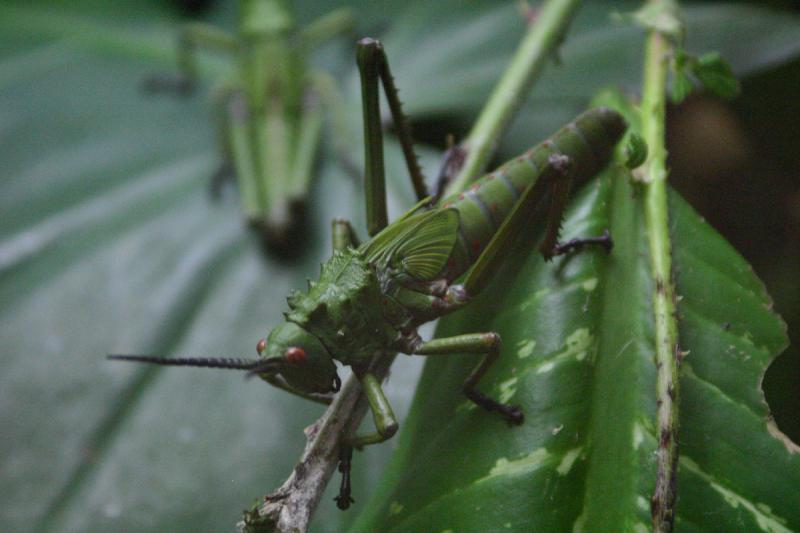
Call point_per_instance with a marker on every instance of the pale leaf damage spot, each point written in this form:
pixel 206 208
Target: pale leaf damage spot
pixel 507 389
pixel 525 348
pixel 569 459
pixel 762 514
pixel 525 464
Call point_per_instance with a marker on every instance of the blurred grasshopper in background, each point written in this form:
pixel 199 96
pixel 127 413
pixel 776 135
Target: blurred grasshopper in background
pixel 270 114
pixel 372 297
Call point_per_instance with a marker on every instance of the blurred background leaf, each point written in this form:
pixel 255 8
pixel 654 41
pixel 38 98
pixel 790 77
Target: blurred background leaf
pixel 109 244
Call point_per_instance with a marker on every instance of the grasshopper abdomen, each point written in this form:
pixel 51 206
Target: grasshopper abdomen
pixel 587 142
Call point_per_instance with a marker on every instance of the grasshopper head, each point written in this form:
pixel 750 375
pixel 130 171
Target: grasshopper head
pixel 304 362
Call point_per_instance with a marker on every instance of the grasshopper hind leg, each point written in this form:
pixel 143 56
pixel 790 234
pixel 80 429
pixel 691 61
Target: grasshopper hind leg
pixel 551 247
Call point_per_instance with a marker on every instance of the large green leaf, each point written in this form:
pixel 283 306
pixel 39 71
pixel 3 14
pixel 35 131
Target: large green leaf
pixel 108 243
pixel 578 337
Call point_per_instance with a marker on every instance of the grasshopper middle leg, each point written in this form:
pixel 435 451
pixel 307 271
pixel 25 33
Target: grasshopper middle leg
pixel 485 343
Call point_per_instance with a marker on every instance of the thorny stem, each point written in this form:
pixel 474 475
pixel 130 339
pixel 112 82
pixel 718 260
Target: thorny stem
pixel 290 508
pixel 668 353
pixel 539 44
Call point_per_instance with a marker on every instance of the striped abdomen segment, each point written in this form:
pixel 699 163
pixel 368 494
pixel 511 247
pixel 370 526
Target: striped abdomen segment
pixel 588 141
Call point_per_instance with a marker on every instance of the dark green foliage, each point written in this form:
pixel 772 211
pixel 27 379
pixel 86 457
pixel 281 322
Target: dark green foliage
pixel 711 72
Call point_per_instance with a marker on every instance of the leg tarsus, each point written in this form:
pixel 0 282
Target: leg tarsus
pixel 344 499
pixel 512 413
pixel 562 248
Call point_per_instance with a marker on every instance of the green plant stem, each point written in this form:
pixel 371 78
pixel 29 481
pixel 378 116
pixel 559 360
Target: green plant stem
pixel 668 354
pixel 539 44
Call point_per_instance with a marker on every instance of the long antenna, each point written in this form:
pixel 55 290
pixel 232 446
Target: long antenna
pixel 261 365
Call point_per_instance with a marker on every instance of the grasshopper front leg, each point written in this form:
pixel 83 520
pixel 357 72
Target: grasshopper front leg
pixel 382 415
pixel 385 424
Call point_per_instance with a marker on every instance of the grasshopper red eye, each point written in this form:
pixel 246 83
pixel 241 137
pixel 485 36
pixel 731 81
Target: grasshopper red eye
pixel 295 355
pixel 262 344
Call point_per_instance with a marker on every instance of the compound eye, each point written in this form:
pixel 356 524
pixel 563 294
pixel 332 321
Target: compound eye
pixel 295 355
pixel 261 346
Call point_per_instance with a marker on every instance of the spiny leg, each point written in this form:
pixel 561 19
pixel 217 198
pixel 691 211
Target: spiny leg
pixel 374 66
pixel 191 37
pixel 385 424
pixel 550 246
pixel 485 343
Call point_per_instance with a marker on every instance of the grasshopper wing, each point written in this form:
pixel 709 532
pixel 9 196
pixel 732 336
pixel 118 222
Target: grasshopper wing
pixel 419 245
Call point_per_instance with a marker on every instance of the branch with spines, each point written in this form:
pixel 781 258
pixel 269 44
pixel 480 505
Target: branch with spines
pixel 664 54
pixel 291 506
pixel 659 49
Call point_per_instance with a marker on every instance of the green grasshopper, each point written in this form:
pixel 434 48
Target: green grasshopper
pixel 373 296
pixel 269 117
